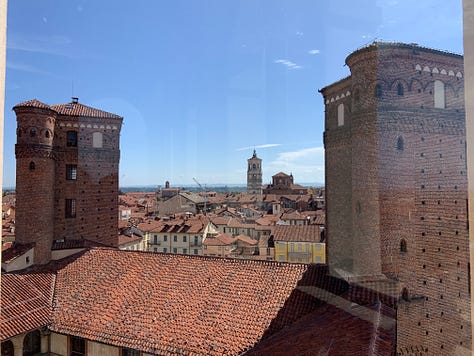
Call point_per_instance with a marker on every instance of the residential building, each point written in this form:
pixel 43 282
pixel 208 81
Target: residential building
pixel 299 243
pixel 183 236
pixel 183 202
pixel 218 244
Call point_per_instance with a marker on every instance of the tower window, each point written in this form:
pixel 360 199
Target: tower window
pixel 378 91
pixel 400 89
pixel 70 208
pixel 32 132
pixel 405 295
pixel 439 95
pixel 47 134
pixel 32 166
pixel 71 138
pixel 403 246
pixel 340 115
pixel 400 143
pixel 97 140
pixel 71 171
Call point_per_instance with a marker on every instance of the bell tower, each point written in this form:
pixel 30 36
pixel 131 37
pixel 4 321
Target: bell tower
pixel 254 174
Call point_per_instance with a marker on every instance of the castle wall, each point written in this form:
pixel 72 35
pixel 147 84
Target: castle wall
pixel 408 188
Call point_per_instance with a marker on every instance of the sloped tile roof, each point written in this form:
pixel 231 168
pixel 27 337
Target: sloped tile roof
pixel 172 304
pixel 70 109
pixel 15 250
pixel 34 103
pixel 221 239
pixel 77 109
pixel 295 233
pixel 179 304
pixel 246 239
pixel 334 330
pixel 26 302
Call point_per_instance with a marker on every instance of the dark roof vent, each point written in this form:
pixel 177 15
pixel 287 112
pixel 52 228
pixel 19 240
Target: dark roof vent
pixel 75 100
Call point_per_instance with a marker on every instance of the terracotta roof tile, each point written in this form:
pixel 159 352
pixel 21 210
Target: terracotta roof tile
pixel 334 330
pixel 180 304
pixel 294 233
pixel 246 239
pixel 15 251
pixel 221 239
pixel 34 103
pixel 26 302
pixel 151 302
pixel 77 109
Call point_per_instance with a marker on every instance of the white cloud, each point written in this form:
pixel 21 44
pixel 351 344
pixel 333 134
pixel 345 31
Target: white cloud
pixel 289 64
pixel 267 145
pixel 301 154
pixel 306 165
pixel 314 51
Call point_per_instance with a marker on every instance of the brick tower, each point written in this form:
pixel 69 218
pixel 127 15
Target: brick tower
pixel 67 175
pixel 254 174
pixel 396 187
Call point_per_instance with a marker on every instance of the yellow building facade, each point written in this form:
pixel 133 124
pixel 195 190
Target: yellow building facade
pixel 299 244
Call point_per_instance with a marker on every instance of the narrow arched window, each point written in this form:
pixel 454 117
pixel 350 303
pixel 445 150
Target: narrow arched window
pixel 439 95
pixel 356 96
pixel 400 89
pixel 400 143
pixel 47 134
pixel 97 140
pixel 32 166
pixel 405 295
pixel 32 132
pixel 340 115
pixel 403 246
pixel 378 91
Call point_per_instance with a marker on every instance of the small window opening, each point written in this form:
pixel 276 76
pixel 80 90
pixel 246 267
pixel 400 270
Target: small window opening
pixel 400 89
pixel 378 91
pixel 405 295
pixel 400 143
pixel 32 132
pixel 32 166
pixel 403 246
pixel 71 138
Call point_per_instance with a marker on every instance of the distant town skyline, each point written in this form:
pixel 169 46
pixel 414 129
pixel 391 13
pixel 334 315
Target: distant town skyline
pixel 202 84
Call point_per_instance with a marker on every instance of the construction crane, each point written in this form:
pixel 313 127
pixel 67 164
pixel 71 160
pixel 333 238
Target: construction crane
pixel 205 194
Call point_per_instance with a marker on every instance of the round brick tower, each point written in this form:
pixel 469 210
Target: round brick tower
pixel 35 177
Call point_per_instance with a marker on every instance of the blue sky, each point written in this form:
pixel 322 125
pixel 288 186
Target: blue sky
pixel 201 83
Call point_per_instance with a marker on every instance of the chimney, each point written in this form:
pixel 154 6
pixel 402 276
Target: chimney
pixel 75 100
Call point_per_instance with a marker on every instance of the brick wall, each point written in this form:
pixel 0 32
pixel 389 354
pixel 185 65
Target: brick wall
pixel 42 189
pixel 408 188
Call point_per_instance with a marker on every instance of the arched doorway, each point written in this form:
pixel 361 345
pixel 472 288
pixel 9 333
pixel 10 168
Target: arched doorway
pixel 32 343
